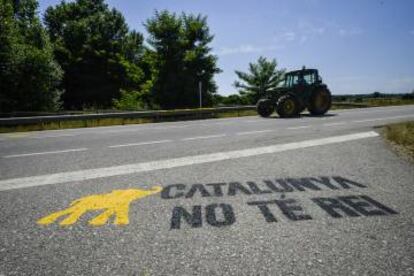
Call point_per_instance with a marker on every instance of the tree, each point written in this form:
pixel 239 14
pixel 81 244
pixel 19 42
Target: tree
pixel 180 57
pixel 376 94
pixel 98 53
pixel 408 96
pixel 231 100
pixel 29 75
pixel 262 78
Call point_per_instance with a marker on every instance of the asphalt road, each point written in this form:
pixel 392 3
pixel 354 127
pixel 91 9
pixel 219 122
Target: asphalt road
pixel 239 196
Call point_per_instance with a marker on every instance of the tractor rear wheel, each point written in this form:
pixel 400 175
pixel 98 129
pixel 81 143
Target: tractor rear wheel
pixel 265 107
pixel 320 101
pixel 287 106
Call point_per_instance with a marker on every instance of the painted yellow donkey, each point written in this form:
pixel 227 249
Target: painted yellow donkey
pixel 114 203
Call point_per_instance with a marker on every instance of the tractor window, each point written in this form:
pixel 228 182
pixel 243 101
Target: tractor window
pixel 309 78
pixel 291 80
pixel 294 80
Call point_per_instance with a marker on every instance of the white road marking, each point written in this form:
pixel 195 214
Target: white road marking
pixel 254 132
pixel 140 144
pixel 168 127
pixel 81 175
pixel 116 131
pixel 137 129
pixel 335 124
pixel 44 153
pixel 53 136
pixel 298 127
pixel 212 124
pixel 366 120
pixel 202 137
pixel 220 123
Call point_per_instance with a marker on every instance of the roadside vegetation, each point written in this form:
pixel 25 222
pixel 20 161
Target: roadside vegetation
pixel 376 99
pixel 83 55
pixel 401 135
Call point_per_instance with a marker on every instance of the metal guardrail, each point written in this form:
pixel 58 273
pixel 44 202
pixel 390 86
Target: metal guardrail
pixel 156 115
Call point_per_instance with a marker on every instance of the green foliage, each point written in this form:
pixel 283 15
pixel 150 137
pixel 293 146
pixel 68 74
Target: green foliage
pixel 376 99
pixel 236 100
pixel 98 53
pixel 408 96
pixel 262 78
pixel 104 63
pixel 179 58
pixel 129 100
pixel 376 94
pixel 28 73
pixel 231 100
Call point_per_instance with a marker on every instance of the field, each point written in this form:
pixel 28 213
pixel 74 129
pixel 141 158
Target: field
pixel 372 100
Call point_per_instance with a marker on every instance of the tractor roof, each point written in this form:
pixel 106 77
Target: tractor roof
pixel 302 71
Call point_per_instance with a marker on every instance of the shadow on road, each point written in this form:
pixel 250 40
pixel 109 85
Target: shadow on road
pixel 319 116
pixel 303 115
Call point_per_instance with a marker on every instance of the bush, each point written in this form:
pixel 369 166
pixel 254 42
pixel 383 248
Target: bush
pixel 129 100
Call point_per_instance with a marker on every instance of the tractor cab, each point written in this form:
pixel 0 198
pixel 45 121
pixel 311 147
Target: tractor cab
pixel 302 77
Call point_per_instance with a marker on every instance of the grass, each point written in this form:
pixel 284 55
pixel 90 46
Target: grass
pixel 372 102
pixel 402 135
pixel 387 101
pixel 347 105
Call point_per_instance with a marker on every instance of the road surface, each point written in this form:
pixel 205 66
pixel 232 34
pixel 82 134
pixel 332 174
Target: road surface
pixel 239 196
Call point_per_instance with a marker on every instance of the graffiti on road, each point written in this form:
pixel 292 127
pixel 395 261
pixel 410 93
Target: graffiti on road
pixel 221 213
pixel 115 203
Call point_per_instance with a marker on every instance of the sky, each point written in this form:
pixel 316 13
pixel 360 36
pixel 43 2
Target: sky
pixel 359 46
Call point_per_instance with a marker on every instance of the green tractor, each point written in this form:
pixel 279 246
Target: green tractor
pixel 299 90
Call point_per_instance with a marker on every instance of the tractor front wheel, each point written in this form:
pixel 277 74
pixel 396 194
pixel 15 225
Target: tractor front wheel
pixel 320 101
pixel 287 106
pixel 265 107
